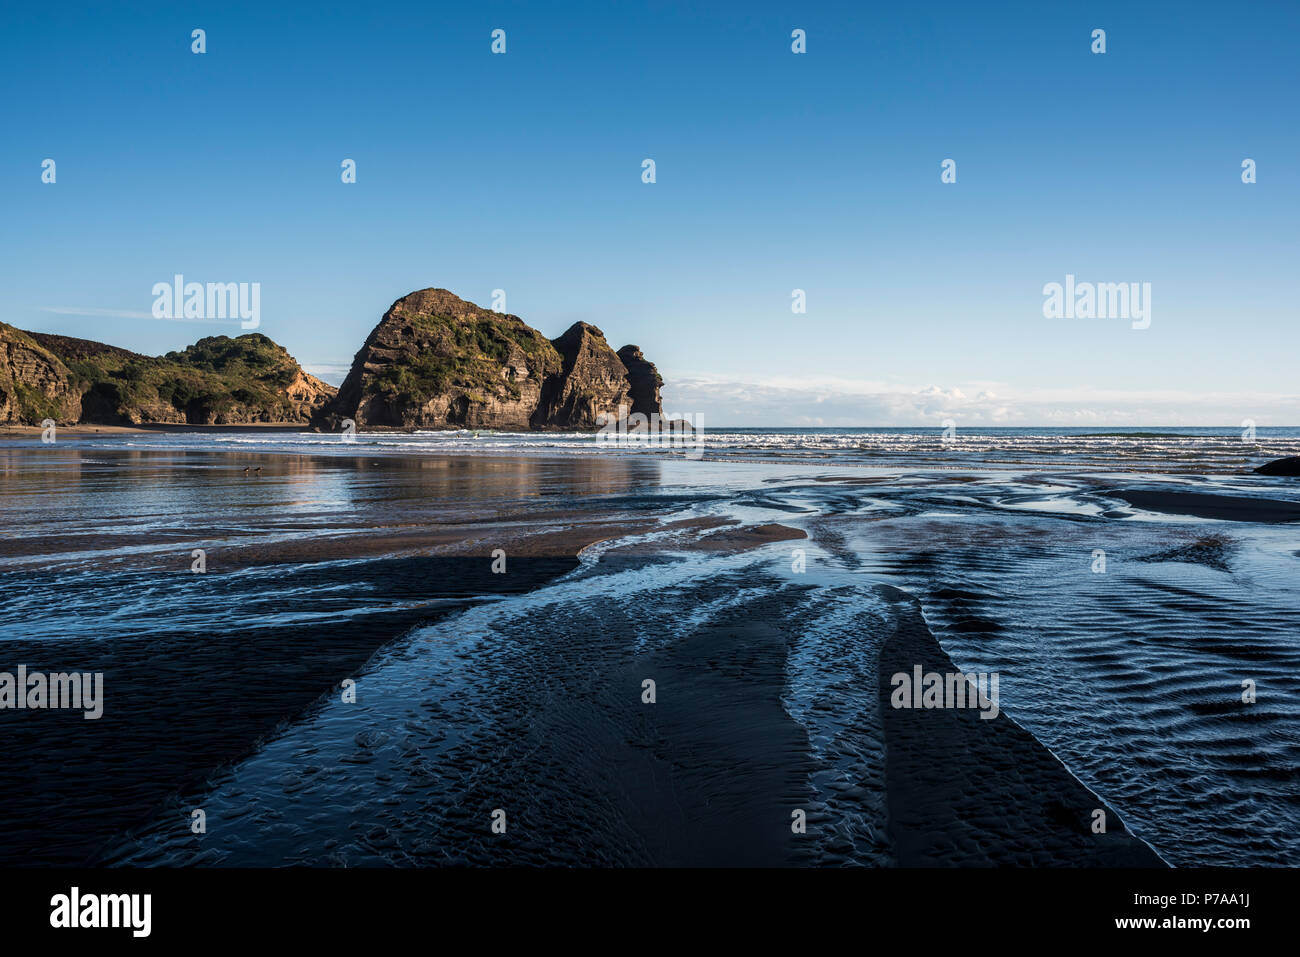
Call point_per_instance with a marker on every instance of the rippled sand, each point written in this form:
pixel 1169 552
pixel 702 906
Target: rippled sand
pixel 766 603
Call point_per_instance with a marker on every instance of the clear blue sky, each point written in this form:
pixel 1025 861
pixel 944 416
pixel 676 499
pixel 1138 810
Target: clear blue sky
pixel 775 171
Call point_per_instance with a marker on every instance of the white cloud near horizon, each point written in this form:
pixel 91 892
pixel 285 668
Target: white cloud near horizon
pixel 834 402
pixel 90 311
pixel 331 372
pixel 847 403
pixel 124 314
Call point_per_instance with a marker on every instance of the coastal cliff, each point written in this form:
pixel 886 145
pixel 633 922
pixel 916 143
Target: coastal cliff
pixel 645 381
pixel 592 381
pixel 34 384
pixel 436 361
pixel 217 381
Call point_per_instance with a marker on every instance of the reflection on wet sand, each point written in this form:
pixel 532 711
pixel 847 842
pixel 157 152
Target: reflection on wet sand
pixel 500 616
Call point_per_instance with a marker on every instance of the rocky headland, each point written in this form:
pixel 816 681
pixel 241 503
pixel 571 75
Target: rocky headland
pixel 434 361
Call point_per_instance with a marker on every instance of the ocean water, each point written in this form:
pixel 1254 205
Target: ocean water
pixel 472 699
pixel 1146 450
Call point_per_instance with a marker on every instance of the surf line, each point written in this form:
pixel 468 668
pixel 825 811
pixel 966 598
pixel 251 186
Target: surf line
pixel 951 690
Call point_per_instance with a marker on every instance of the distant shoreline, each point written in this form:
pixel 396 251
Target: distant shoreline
pixel 91 429
pixel 1136 431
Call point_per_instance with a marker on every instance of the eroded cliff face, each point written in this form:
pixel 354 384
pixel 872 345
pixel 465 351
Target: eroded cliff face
pixel 645 381
pixel 217 381
pixel 34 384
pixel 435 361
pixel 592 382
pixel 308 394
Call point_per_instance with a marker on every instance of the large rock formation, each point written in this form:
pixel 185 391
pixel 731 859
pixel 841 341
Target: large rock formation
pixel 592 381
pixel 34 384
pixel 433 362
pixel 645 381
pixel 436 361
pixel 216 381
pixel 269 381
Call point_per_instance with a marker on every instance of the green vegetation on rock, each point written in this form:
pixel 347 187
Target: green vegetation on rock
pixel 435 357
pixel 218 380
pixel 438 361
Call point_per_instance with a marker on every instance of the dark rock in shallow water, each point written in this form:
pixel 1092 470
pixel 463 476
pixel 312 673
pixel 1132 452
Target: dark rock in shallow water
pixel 1287 466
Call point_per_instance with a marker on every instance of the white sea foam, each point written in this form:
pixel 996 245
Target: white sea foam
pixel 1201 450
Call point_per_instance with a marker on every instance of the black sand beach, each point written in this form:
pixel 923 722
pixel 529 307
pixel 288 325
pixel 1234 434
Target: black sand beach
pixel 965 791
pixel 524 688
pixel 1229 508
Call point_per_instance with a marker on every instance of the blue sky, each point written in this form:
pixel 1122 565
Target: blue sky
pixel 775 171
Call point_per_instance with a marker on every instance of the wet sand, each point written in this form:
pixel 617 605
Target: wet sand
pixel 717 766
pixel 966 791
pixel 773 684
pixel 179 705
pixel 1230 508
pixel 182 703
